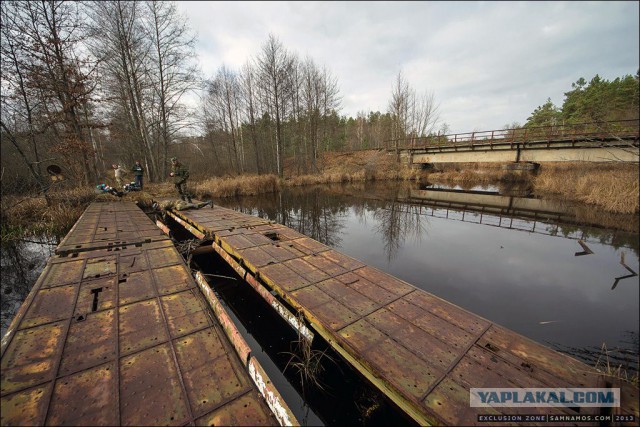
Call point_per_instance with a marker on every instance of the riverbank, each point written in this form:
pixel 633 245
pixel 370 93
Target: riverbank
pixel 612 188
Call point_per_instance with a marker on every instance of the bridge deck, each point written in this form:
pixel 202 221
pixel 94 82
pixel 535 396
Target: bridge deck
pixel 421 351
pixel 116 332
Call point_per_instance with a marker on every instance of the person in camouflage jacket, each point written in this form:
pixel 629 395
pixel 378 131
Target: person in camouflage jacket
pixel 180 174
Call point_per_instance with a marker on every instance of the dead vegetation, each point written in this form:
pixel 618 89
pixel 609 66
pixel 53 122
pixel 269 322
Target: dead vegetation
pixel 613 187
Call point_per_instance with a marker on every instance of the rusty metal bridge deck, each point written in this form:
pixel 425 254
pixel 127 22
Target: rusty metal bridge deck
pixel 117 332
pixel 423 352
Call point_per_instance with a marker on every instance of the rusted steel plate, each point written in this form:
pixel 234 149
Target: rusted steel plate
pixel 306 270
pixel 63 273
pixel 185 312
pixel 257 239
pixel 283 277
pixel 445 331
pixel 90 345
pixel 264 293
pixel 100 267
pixel 50 305
pixel 343 260
pixel 132 263
pixel 31 357
pixel 310 297
pixel 393 360
pixel 86 398
pixel 435 352
pixel 248 410
pixel 273 399
pixel 335 315
pixel 172 279
pixel 96 295
pixel 281 253
pixel 136 287
pixel 418 349
pixel 390 283
pixel 239 344
pixel 26 407
pixel 90 342
pixel 361 336
pixel 326 265
pixel 445 310
pixel 518 350
pixel 163 256
pixel 211 377
pixel 449 405
pixel 239 241
pixel 141 326
pixel 150 389
pixel 255 257
pixel 311 245
pixel 357 302
pixel 367 288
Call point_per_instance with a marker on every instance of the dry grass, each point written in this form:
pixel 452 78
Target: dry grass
pixel 612 187
pixel 248 185
pixel 604 365
pixel 358 166
pixel 25 216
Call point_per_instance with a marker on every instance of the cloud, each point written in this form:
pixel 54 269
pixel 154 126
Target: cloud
pixel 488 63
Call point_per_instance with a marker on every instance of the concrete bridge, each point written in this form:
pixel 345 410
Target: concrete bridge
pixel 586 142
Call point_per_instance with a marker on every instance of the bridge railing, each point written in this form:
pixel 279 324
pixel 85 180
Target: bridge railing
pixel 596 131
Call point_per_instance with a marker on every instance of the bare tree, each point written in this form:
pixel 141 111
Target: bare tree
pixel 173 73
pixel 250 106
pixel 274 68
pixel 413 115
pixel 224 94
pixel 398 108
pixel 49 81
pixel 125 49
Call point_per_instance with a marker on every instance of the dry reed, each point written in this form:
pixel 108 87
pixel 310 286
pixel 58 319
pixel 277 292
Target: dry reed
pixel 613 187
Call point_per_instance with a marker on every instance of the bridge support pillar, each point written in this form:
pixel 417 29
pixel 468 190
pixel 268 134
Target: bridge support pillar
pixel 521 166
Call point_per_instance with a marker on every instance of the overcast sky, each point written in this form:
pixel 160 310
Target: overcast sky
pixel 488 64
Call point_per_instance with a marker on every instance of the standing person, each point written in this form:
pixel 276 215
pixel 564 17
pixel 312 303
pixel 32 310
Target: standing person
pixel 119 174
pixel 180 174
pixel 138 173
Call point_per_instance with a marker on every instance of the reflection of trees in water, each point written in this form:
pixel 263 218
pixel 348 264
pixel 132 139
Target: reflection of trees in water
pixel 397 221
pixel 318 212
pixel 622 360
pixel 313 212
pixel 22 263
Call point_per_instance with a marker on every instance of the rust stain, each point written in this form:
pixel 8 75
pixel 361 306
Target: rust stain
pixel 90 342
pixel 50 305
pixel 30 357
pixel 141 326
pixel 248 410
pixel 172 279
pixel 150 389
pixel 86 398
pixel 25 408
pixel 184 312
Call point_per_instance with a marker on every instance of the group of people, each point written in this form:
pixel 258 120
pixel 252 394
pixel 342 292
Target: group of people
pixel 179 173
pixel 138 173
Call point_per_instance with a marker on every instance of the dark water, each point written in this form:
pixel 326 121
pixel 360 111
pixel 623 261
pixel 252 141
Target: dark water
pixel 20 265
pixel 531 275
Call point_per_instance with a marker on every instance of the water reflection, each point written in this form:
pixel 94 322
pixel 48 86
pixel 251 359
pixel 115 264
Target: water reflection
pixel 22 262
pixel 509 258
